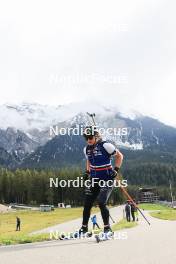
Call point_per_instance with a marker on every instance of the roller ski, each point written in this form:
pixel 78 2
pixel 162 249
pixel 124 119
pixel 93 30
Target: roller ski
pixel 79 234
pixel 108 234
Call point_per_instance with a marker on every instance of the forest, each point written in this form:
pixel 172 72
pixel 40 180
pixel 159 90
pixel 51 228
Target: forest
pixel 32 187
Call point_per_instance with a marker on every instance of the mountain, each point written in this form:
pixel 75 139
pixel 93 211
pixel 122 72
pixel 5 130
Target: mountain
pixel 17 142
pixel 7 160
pixel 61 151
pixel 27 141
pixel 25 127
pixel 31 116
pixel 34 120
pixel 27 116
pixel 147 140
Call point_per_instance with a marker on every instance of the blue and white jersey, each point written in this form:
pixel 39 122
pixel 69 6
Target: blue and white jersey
pixel 99 156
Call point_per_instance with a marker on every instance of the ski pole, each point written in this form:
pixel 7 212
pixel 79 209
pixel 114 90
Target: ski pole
pixel 131 200
pixel 111 218
pixel 122 188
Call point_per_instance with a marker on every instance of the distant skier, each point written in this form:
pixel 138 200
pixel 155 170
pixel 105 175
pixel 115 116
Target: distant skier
pixel 94 221
pixel 98 165
pixel 18 224
pixel 136 212
pixel 133 209
pixel 128 211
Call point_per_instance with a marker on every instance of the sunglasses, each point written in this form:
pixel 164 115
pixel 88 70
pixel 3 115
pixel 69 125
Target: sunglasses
pixel 88 137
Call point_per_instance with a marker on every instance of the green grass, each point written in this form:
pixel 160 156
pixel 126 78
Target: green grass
pixel 151 207
pixel 122 224
pixel 23 239
pixel 32 221
pixel 169 214
pixel 35 220
pixel 162 211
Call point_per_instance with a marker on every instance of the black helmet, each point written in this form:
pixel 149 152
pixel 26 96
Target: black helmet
pixel 90 132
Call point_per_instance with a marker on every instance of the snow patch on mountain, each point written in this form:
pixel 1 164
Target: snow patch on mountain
pixel 28 116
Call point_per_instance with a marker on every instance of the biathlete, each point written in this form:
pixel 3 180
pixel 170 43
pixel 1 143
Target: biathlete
pixel 98 155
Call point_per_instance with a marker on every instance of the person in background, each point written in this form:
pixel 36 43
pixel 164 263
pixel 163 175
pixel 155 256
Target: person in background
pixel 133 209
pixel 18 224
pixel 136 213
pixel 94 222
pixel 128 211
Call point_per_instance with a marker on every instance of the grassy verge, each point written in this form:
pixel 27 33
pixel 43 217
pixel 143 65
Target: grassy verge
pixel 122 224
pixel 151 207
pixel 169 214
pixel 23 239
pixel 32 221
pixel 162 211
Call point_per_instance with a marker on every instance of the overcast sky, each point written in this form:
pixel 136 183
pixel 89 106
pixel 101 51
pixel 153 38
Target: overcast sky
pixel 119 52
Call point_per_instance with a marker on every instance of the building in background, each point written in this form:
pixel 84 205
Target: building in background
pixel 148 195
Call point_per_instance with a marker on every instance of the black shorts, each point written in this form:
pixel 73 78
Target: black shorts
pixel 101 194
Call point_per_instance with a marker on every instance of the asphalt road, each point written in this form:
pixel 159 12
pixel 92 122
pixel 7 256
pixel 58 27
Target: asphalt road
pixel 143 244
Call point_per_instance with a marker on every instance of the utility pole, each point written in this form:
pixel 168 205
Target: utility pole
pixel 172 200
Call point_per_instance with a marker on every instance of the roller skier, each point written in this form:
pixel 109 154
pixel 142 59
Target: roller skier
pixel 98 155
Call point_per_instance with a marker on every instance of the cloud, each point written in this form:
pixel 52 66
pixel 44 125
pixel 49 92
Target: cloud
pixel 56 52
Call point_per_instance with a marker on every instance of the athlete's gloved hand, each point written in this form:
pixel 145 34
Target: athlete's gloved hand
pixel 117 169
pixel 87 188
pixel 115 172
pixel 86 175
